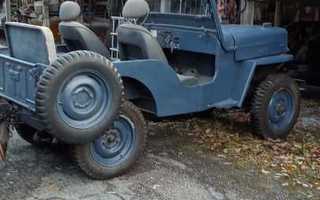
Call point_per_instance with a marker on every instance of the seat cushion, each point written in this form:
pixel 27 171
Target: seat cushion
pixel 187 80
pixel 69 11
pixel 30 43
pixel 135 9
pixel 131 35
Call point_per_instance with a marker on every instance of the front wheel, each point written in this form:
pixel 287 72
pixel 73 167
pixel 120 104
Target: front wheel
pixel 275 106
pixel 117 149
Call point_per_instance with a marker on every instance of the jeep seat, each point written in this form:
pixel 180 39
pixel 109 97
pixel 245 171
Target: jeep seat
pixel 135 41
pixel 39 47
pixel 76 35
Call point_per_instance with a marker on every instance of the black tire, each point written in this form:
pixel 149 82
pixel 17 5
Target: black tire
pixel 86 155
pixel 78 96
pixel 275 106
pixel 35 137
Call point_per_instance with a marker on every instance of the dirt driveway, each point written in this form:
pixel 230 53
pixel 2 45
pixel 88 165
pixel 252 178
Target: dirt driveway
pixel 173 167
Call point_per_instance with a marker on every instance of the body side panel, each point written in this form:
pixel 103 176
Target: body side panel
pixel 171 97
pixel 228 88
pixel 18 81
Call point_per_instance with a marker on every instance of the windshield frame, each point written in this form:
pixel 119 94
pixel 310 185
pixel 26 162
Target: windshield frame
pixel 217 21
pixel 213 15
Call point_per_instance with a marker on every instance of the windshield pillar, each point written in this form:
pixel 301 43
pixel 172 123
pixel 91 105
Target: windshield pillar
pixel 216 19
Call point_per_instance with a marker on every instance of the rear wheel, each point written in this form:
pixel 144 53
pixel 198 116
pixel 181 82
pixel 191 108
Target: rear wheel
pixel 275 106
pixel 117 149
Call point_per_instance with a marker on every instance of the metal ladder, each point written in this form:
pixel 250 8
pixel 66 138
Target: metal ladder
pixel 117 21
pixel 114 50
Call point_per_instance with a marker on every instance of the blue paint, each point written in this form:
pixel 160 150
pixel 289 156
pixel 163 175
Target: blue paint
pixel 256 41
pixel 237 50
pixel 245 73
pixel 281 110
pixel 226 89
pixel 18 80
pixel 19 39
pixel 115 146
pixel 83 99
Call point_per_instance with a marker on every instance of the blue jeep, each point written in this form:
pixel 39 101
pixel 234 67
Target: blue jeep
pixel 169 65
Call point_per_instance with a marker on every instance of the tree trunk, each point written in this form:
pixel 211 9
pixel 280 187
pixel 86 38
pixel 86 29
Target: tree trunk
pixel 247 17
pixel 4 138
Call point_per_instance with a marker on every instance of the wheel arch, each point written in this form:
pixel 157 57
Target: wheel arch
pixel 139 94
pixel 259 74
pixel 258 70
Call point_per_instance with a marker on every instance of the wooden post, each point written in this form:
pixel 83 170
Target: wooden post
pixel 277 13
pixel 4 138
pixel 8 10
pixel 165 6
pixel 247 17
pixel 45 13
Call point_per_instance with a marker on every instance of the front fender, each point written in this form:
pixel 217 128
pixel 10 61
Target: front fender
pixel 246 74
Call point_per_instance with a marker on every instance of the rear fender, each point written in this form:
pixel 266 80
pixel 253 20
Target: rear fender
pixel 139 94
pixel 169 95
pixel 150 73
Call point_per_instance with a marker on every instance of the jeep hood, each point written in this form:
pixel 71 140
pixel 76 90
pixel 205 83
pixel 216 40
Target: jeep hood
pixel 255 41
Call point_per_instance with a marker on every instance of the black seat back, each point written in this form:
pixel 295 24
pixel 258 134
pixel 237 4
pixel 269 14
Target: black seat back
pixel 76 35
pixel 136 42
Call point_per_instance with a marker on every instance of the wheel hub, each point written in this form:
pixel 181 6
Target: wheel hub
pixel 116 143
pixel 281 108
pixel 82 99
pixel 111 139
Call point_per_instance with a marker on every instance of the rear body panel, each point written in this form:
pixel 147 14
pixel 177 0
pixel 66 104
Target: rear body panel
pixel 18 80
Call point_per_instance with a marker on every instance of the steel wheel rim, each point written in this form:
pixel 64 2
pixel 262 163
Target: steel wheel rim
pixel 84 99
pixel 116 144
pixel 281 109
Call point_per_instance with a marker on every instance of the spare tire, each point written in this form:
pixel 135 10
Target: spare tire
pixel 78 96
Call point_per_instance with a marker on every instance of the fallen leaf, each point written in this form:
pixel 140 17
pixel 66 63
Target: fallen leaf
pixel 265 171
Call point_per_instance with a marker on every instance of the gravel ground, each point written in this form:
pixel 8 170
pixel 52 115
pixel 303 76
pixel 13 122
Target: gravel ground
pixel 173 167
